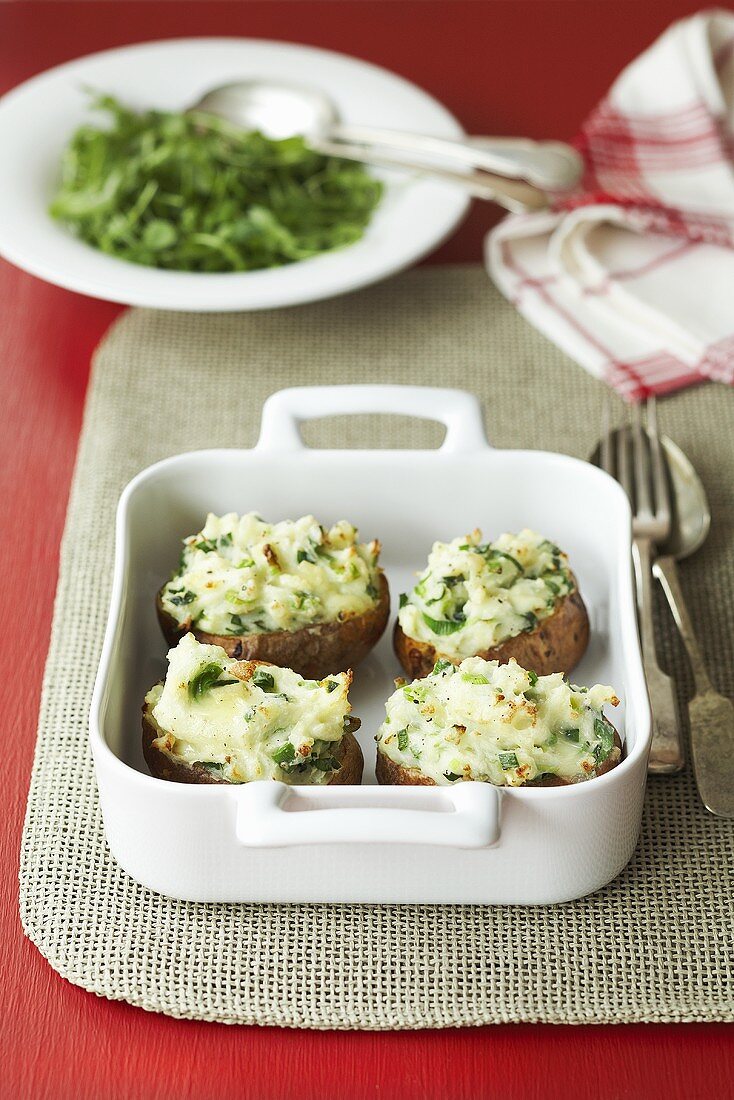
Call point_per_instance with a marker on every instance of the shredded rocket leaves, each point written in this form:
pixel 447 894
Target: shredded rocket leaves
pixel 189 192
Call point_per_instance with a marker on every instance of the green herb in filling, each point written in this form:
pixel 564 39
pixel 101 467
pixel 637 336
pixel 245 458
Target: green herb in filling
pixel 263 680
pixel 213 766
pixel 206 679
pixel 180 599
pixel 605 733
pixel 492 554
pixel 443 626
pixel 284 754
pixel 415 692
pixel 324 763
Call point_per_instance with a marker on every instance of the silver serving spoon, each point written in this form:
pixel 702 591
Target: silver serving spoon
pixel 516 172
pixel 711 715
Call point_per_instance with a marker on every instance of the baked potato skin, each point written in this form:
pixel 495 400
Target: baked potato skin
pixel 313 651
pixel 391 774
pixel 557 643
pixel 162 766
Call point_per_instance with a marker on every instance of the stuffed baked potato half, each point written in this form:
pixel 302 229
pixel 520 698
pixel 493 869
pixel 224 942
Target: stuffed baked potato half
pixel 215 719
pixel 294 593
pixel 515 597
pixel 495 723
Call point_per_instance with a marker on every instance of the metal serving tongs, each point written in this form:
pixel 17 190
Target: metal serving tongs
pixel 517 173
pixel 671 520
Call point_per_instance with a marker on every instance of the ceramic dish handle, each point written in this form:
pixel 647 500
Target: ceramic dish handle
pixel 458 410
pixel 273 815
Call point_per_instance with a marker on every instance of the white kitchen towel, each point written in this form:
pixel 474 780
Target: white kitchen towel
pixel 633 274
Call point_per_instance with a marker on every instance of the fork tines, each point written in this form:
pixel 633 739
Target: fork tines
pixel 633 454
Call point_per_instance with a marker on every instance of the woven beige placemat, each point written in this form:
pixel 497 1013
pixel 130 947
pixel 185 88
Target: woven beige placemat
pixel 654 945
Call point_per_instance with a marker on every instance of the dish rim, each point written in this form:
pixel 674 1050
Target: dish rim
pixel 624 584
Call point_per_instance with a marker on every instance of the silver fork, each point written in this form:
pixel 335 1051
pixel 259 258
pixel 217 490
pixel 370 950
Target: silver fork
pixel 634 456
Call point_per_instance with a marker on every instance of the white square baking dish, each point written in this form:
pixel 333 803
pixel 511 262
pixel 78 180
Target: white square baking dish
pixel 470 843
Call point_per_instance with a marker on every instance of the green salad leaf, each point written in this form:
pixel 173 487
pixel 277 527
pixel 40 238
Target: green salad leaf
pixel 190 192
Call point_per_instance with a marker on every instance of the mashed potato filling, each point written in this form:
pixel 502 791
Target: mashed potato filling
pixel 240 575
pixel 474 595
pixel 245 721
pixel 498 724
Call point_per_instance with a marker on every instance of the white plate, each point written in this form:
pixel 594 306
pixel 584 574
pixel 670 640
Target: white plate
pixel 468 843
pixel 37 119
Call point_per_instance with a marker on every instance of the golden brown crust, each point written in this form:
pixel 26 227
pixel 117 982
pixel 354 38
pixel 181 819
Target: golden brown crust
pixel 313 651
pixel 348 753
pixel 557 643
pixel 391 774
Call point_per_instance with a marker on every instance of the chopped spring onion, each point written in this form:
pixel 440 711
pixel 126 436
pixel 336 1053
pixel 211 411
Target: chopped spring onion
pixel 263 680
pixel 443 626
pixel 284 754
pixel 206 679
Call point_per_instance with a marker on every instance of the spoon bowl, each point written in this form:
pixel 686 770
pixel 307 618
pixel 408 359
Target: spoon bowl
pixel 691 515
pixel 691 520
pixel 277 110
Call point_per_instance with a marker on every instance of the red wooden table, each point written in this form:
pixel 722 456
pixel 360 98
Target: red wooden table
pixel 508 66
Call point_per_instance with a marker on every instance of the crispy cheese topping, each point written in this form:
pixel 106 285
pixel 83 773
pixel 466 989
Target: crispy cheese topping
pixel 498 724
pixel 240 575
pixel 245 721
pixel 474 595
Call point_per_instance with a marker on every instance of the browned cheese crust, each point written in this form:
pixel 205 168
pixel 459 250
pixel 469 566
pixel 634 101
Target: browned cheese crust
pixel 313 651
pixel 391 774
pixel 557 643
pixel 162 766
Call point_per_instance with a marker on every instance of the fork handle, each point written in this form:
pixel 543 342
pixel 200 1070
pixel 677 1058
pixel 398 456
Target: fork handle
pixel 666 751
